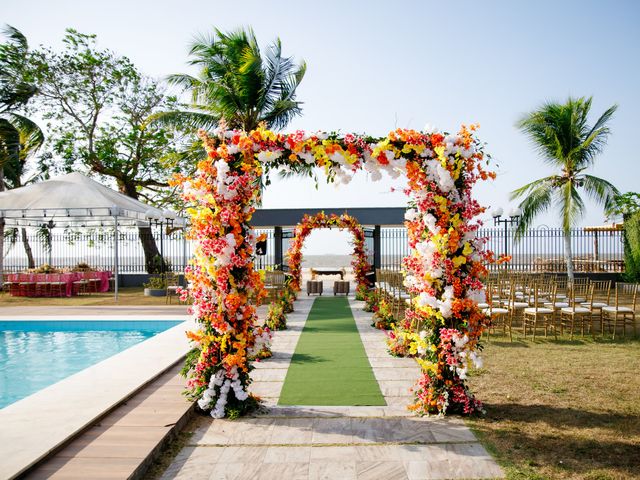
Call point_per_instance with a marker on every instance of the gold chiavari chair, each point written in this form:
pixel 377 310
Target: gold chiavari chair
pixel 578 313
pixel 536 316
pixel 623 312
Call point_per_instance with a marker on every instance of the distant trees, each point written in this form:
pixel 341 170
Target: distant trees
pixel 98 105
pixel 565 140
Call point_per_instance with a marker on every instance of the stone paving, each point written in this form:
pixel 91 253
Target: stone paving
pixel 289 442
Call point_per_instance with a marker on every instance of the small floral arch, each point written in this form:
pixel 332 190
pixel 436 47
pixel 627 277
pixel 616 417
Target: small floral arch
pixel 322 220
pixel 443 270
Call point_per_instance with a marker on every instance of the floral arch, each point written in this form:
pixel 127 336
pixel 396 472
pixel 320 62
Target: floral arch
pixel 443 270
pixel 322 220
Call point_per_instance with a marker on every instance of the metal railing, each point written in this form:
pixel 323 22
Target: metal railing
pixel 540 249
pixel 96 248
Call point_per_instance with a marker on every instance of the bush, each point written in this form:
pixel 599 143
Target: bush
pixel 276 317
pixel 632 247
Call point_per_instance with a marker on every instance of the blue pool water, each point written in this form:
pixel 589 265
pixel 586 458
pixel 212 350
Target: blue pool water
pixel 35 354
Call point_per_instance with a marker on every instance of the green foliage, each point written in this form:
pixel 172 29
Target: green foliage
pixel 625 204
pixel 190 361
pixel 156 283
pixel 276 317
pixel 98 105
pixel 237 83
pixel 15 88
pixel 632 247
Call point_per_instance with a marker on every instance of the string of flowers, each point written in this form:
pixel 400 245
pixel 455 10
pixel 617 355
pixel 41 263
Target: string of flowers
pixel 321 220
pixel 443 270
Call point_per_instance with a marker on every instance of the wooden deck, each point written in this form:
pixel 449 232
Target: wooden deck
pixel 124 442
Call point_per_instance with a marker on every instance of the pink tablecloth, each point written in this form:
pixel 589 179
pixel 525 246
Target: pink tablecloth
pixel 30 289
pixel 69 278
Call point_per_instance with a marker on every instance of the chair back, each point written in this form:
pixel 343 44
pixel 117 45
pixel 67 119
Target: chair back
pixel 601 290
pixel 626 295
pixel 171 279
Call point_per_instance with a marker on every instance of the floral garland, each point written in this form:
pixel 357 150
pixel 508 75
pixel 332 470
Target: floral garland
pixel 321 220
pixel 443 270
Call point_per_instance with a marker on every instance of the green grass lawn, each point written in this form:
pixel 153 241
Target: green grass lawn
pixel 565 409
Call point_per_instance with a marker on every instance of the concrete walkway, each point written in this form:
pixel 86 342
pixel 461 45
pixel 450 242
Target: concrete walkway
pixel 333 442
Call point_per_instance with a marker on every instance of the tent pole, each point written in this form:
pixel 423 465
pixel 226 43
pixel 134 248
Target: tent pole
pixel 115 259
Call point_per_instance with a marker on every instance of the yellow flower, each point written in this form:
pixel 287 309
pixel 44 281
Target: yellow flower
pixel 459 260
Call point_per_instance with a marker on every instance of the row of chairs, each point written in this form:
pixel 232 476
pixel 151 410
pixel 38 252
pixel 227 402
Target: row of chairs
pixel 390 286
pixel 553 305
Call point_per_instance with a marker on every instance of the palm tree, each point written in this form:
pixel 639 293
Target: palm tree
pixel 30 139
pixel 566 141
pixel 15 92
pixel 237 84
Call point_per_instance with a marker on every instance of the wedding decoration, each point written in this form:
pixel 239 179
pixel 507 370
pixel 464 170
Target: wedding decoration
pixel 443 270
pixel 322 220
pixel 276 316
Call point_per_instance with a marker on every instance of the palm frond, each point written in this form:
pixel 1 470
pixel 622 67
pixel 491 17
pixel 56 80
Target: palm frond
pixel 600 190
pixel 538 195
pixel 185 119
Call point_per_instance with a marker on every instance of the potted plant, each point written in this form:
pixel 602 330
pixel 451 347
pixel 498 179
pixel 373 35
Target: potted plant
pixel 155 287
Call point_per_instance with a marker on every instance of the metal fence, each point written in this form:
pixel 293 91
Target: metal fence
pixel 541 249
pixel 96 248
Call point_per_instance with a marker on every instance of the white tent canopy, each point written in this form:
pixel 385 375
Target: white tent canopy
pixel 77 200
pixel 72 199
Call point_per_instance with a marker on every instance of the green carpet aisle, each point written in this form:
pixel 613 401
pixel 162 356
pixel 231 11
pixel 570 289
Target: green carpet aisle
pixel 329 365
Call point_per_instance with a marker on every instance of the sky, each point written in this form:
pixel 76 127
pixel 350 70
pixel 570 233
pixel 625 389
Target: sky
pixel 375 66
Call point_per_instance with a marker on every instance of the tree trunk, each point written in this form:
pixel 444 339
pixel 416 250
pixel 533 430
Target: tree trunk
pixel 27 249
pixel 153 261
pixel 568 255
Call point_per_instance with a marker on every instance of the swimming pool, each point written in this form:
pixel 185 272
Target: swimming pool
pixel 37 353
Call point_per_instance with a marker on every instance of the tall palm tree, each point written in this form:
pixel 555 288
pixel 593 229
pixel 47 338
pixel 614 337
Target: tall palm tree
pixel 15 92
pixel 237 83
pixel 30 139
pixel 565 140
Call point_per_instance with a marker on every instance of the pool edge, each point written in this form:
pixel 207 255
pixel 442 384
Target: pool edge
pixel 39 424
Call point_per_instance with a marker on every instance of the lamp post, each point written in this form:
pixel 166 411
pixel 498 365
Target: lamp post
pixel 513 220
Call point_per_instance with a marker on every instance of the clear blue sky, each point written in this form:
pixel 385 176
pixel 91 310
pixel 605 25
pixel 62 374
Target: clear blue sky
pixel 374 66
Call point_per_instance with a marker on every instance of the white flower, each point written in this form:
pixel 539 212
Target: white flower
pixel 444 305
pixel 478 296
pixel 424 300
pixel 430 222
pixel 266 156
pixel 307 157
pixel 426 249
pixel 429 129
pixel 322 135
pixel 467 152
pixel 232 149
pixel 411 215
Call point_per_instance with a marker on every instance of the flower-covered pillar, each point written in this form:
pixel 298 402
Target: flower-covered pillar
pixel 445 270
pixel 222 280
pixel 321 220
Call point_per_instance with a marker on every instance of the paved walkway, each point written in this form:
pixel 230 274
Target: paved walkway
pixel 338 443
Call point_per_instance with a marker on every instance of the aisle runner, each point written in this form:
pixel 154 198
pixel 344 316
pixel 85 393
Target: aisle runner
pixel 330 366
